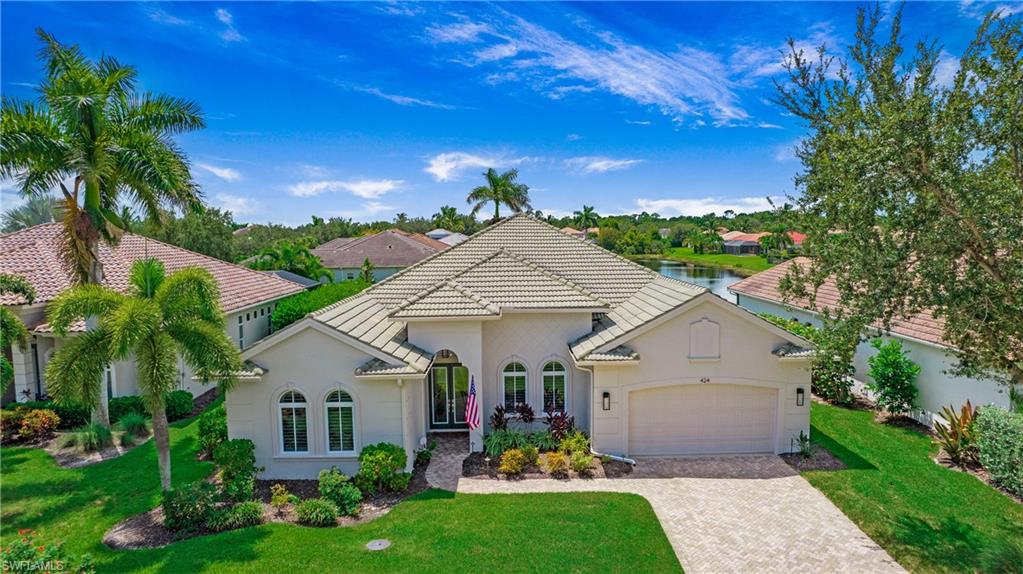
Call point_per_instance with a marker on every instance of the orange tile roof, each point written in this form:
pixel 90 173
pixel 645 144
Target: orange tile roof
pixel 390 248
pixel 34 254
pixel 765 285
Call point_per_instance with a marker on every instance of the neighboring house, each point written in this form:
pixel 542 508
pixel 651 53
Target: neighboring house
pixel 921 335
pixel 390 251
pixel 580 233
pixel 739 243
pixel 447 237
pixel 305 282
pixel 741 247
pixel 247 297
pixel 646 364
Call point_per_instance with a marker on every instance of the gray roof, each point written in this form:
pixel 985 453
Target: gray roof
pixel 518 263
pixel 619 354
pixel 792 351
pixel 390 248
pixel 294 278
pixel 453 238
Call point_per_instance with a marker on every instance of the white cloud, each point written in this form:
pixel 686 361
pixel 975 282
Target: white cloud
pixel 400 9
pixel 364 188
pixel 599 164
pixel 163 17
pixel 224 173
pixel 238 205
pixel 451 165
pixel 946 69
pixel 230 33
pixel 638 122
pixel 768 126
pixel 753 62
pixel 366 211
pixel 403 100
pixel 458 32
pixel 702 206
pixel 310 170
pixel 573 137
pixel 978 10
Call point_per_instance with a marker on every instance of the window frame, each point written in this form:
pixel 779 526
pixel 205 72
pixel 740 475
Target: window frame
pixel 304 404
pixel 564 384
pixel 327 405
pixel 506 375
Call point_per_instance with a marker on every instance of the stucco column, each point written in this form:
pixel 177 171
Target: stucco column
pixel 24 373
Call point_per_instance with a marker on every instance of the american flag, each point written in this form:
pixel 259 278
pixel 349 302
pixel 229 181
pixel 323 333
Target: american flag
pixel 472 411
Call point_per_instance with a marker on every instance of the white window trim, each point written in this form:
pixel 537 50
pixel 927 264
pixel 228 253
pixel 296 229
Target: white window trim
pixel 525 386
pixel 355 423
pixel 280 422
pixel 568 380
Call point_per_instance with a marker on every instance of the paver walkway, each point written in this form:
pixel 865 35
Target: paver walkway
pixel 732 514
pixel 446 464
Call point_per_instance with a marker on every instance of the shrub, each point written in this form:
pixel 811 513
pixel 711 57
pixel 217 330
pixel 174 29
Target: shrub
pixel 543 440
pixel 499 441
pixel 337 488
pixel 10 424
pixel 71 416
pixel 498 419
pixel 38 424
pixel 581 462
pixel 560 424
pixel 958 437
pixel 1004 556
pixel 531 452
pixel 802 444
pixel 189 507
pixel 23 553
pixel 793 326
pixel 832 369
pixel 317 512
pixel 117 407
pixel 893 377
pixel 575 442
pixel 90 437
pixel 134 424
pixel 293 308
pixel 212 429
pixel 557 463
pixel 513 461
pixel 525 413
pixel 381 467
pixel 237 461
pixel 1000 446
pixel 279 497
pixel 178 404
pixel 423 456
pixel 240 515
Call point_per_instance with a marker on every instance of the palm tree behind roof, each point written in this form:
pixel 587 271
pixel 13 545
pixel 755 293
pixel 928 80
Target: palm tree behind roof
pixel 501 189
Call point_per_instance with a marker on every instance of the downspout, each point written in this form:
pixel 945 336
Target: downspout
pixel 589 370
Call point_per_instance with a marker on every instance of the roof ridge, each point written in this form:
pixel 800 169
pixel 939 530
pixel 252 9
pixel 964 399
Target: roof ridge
pixel 479 299
pixel 544 271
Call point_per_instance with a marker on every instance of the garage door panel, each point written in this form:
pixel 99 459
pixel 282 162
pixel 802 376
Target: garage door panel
pixel 702 419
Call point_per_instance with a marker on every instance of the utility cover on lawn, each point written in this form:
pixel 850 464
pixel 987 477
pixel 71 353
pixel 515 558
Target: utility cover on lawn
pixel 378 544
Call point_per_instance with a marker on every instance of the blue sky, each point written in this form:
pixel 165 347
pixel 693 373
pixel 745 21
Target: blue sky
pixel 364 110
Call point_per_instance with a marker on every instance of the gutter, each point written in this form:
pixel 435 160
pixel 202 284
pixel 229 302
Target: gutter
pixel 624 459
pixel 593 452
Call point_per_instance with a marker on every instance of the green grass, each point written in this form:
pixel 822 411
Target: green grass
pixel 746 264
pixel 432 532
pixel 929 518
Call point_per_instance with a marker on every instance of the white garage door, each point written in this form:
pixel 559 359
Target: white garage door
pixel 702 419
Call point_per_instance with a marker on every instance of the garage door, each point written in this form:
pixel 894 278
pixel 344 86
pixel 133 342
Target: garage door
pixel 702 419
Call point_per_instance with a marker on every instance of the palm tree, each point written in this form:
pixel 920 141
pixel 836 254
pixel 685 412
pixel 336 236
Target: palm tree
pixel 37 210
pixel 501 189
pixel 102 144
pixel 448 218
pixel 779 240
pixel 366 271
pixel 293 256
pixel 163 318
pixel 586 218
pixel 12 330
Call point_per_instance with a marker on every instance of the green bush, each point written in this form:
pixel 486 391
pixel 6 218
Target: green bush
pixel 90 437
pixel 71 416
pixel 338 488
pixel 38 424
pixel 380 468
pixel 1002 557
pixel 189 507
pixel 893 377
pixel 793 326
pixel 575 442
pixel 117 407
pixel 279 497
pixel 237 461
pixel 532 453
pixel 178 404
pixel 513 461
pixel 557 463
pixel 543 440
pixel 212 429
pixel 10 424
pixel 501 440
pixel 237 516
pixel 23 553
pixel 317 512
pixel 1000 446
pixel 293 308
pixel 134 424
pixel 958 435
pixel 581 461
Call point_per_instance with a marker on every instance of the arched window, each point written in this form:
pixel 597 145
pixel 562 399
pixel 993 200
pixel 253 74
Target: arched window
pixel 294 422
pixel 340 422
pixel 555 387
pixel 514 376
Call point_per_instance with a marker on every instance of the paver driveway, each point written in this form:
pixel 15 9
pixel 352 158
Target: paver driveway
pixel 733 514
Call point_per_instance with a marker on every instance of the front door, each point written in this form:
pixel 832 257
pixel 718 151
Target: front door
pixel 449 388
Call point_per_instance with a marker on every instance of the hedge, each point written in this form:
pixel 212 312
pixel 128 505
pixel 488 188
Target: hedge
pixel 1000 444
pixel 297 306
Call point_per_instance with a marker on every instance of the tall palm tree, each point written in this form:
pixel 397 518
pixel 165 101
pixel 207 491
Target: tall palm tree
pixel 501 189
pixel 38 209
pixel 163 318
pixel 101 143
pixel 293 256
pixel 448 218
pixel 12 330
pixel 586 218
pixel 778 240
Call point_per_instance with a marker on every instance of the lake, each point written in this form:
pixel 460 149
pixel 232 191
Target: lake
pixel 713 278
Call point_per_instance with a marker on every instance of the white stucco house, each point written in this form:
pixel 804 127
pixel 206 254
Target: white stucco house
pixel 921 335
pixel 247 297
pixel 647 365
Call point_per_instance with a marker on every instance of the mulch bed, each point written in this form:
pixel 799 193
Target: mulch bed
pixel 74 458
pixel 200 403
pixel 977 471
pixel 479 465
pixel 819 459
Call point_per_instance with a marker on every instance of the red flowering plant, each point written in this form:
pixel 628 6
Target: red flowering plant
pixel 27 555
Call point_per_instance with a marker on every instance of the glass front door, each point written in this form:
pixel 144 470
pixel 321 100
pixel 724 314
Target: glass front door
pixel 449 390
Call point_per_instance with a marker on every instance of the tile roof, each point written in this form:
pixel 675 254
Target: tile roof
pixel 765 285
pixel 34 254
pixel 294 278
pixel 616 355
pixel 376 367
pixel 792 351
pixel 390 248
pixel 517 263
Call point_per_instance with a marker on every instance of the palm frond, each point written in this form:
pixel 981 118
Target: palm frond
pixel 159 113
pixel 146 276
pixel 190 293
pixel 133 321
pixel 207 350
pixel 17 285
pixel 74 374
pixel 12 330
pixel 80 302
pixel 156 361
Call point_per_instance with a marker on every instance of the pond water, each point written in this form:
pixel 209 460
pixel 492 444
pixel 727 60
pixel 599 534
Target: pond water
pixel 713 278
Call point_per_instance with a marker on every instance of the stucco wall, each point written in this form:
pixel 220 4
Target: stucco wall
pixel 379 273
pixel 315 364
pixel 936 387
pixel 745 359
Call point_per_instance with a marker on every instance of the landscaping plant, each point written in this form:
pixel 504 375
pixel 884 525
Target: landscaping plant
pixel 338 488
pixel 10 424
pixel 293 308
pixel 498 419
pixel 134 424
pixel 802 441
pixel 240 515
pixel 189 507
pixel 893 377
pixel 179 404
pixel 212 429
pixel 556 463
pixel 499 441
pixel 24 554
pixel 525 413
pixel 580 462
pixel 317 512
pixel 531 452
pixel 38 424
pixel 237 461
pixel 88 438
pixel 513 461
pixel 957 436
pixel 543 440
pixel 999 437
pixel 12 329
pixel 559 425
pixel 280 497
pixel 120 406
pixel 575 442
pixel 71 415
pixel 381 467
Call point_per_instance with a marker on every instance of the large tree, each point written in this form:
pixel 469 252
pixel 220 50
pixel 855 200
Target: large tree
pixel 448 218
pixel 12 330
pixel 501 189
pixel 586 218
pixel 38 209
pixel 293 256
pixel 913 186
pixel 101 143
pixel 209 231
pixel 163 318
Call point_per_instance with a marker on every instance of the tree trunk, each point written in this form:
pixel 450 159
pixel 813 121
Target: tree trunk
pixel 100 414
pixel 161 437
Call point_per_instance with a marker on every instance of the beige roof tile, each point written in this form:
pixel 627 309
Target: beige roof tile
pixel 390 248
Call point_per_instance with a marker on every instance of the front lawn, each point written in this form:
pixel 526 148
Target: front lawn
pixel 433 532
pixel 929 518
pixel 745 264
